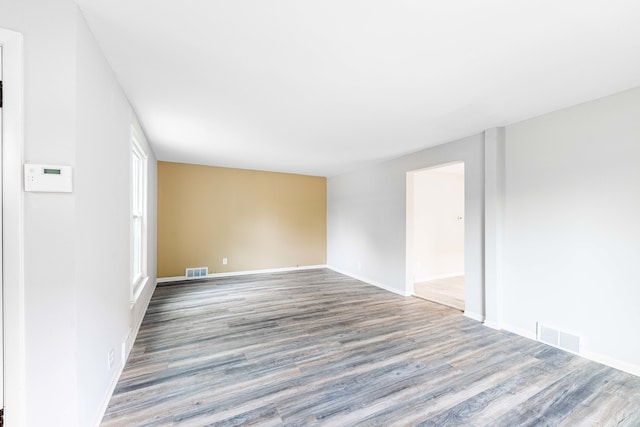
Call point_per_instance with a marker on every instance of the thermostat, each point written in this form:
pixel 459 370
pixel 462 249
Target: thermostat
pixel 48 178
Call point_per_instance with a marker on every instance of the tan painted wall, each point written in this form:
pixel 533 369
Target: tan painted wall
pixel 257 220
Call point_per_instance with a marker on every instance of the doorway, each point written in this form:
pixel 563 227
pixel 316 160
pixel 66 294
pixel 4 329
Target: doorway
pixel 438 234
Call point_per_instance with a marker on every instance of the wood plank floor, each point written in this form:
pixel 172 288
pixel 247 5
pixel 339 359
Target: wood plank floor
pixel 448 291
pixel 318 348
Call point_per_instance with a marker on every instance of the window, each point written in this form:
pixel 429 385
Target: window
pixel 139 215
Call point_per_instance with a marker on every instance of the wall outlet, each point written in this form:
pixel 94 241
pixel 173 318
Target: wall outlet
pixel 225 261
pixel 123 355
pixel 111 358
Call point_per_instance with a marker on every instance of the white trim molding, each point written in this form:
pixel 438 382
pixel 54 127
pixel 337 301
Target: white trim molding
pixel 596 357
pixel 133 332
pixel 138 289
pixel 109 393
pixel 629 368
pixel 519 331
pixel 139 200
pixel 13 231
pixel 371 282
pixel 241 273
pixel 443 276
pixel 474 316
pixel 127 343
pixel 492 324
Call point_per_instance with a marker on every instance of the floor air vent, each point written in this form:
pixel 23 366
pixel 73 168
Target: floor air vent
pixel 197 273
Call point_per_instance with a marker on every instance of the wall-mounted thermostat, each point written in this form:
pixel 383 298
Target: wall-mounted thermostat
pixel 48 178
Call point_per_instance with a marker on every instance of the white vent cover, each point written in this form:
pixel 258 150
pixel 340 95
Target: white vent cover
pixel 560 339
pixel 548 335
pixel 569 342
pixel 197 272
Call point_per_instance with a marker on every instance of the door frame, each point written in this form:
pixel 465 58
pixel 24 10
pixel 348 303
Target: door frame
pixel 410 256
pixel 12 224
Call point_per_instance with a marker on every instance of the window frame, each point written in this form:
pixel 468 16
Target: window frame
pixel 138 216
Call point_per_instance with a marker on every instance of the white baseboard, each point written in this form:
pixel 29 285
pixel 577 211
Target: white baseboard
pixel 242 273
pixel 474 316
pixel 110 390
pixel 443 276
pixel 492 324
pixel 128 343
pixel 629 368
pixel 133 333
pixel 109 393
pixel 370 282
pixel 519 331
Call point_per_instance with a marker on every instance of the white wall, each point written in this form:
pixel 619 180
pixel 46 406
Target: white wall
pixel 49 250
pixel 572 228
pixel 76 245
pixel 562 209
pixel 102 177
pixel 366 219
pixel 438 234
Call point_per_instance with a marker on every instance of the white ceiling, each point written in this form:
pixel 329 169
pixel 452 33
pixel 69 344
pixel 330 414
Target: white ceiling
pixel 321 87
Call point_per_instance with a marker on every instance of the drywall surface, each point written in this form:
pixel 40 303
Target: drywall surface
pixel 571 231
pixel 76 245
pixel 102 190
pixel 438 224
pixel 366 218
pixel 102 202
pixel 49 33
pixel 257 220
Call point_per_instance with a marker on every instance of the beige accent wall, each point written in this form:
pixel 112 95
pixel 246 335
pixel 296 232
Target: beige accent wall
pixel 258 220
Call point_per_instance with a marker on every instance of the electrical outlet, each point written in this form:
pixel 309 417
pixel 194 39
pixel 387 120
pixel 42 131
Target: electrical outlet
pixel 111 358
pixel 225 261
pixel 123 355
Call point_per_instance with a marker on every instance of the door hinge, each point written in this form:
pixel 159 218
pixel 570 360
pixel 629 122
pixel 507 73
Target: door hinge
pixel 0 107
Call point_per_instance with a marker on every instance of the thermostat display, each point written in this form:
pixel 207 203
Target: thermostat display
pixel 48 178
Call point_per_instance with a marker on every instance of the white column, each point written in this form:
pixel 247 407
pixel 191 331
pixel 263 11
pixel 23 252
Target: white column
pixel 494 149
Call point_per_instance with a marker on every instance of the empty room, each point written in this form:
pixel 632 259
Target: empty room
pixel 320 213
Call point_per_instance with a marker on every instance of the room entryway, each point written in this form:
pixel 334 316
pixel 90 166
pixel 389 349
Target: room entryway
pixel 447 291
pixel 438 234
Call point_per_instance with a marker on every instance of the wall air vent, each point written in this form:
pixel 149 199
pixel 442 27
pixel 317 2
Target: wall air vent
pixel 197 272
pixel 559 339
pixel 547 335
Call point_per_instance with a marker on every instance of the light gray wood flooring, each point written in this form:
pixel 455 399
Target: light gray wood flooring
pixel 448 291
pixel 317 348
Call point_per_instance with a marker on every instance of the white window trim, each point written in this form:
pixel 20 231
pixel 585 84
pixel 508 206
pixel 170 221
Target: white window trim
pixel 139 281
